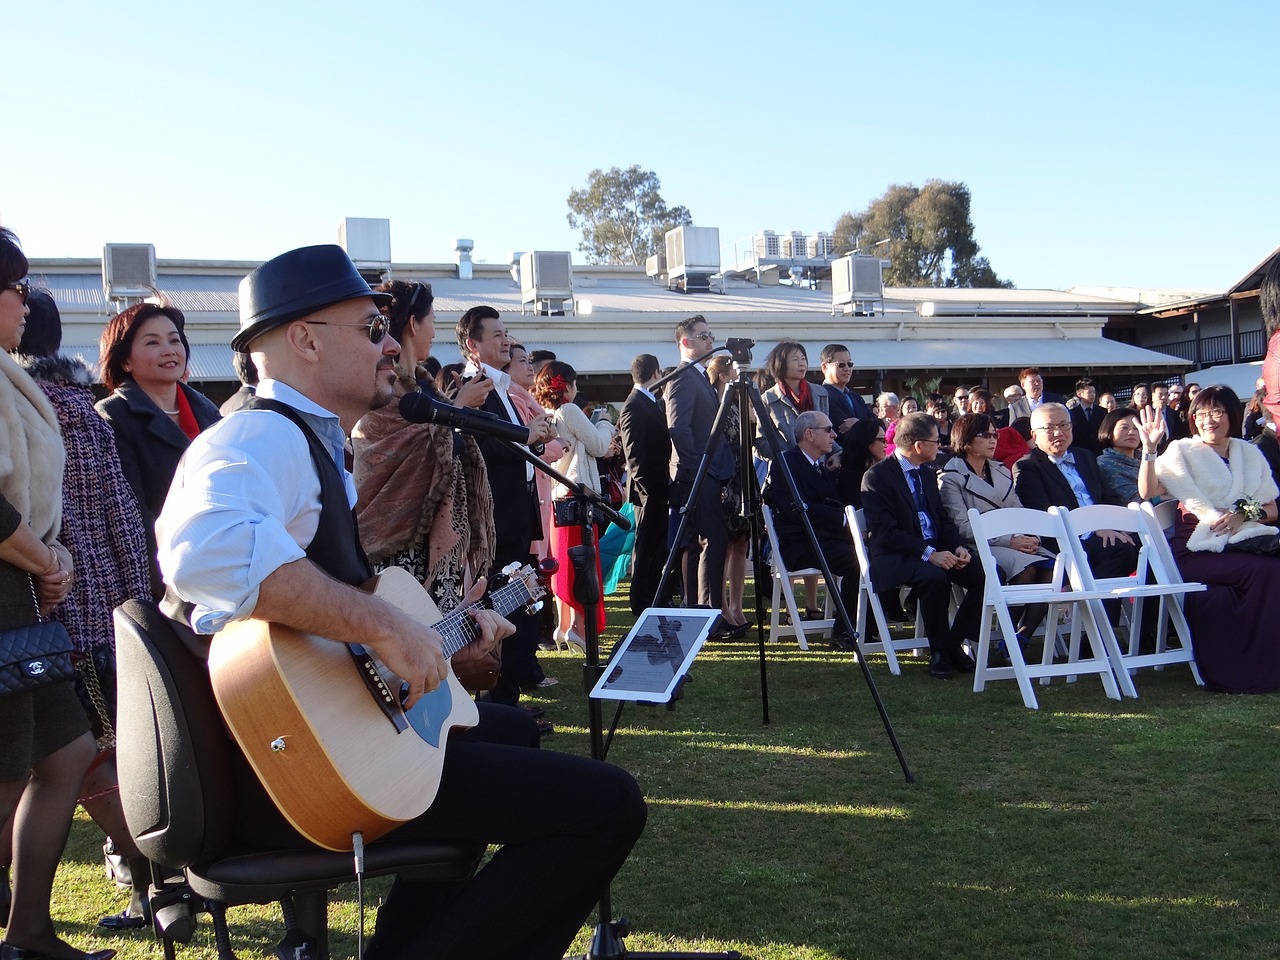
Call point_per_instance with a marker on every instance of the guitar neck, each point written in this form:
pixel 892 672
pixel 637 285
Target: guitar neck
pixel 458 629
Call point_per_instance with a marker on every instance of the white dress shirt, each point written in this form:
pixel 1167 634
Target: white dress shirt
pixel 245 501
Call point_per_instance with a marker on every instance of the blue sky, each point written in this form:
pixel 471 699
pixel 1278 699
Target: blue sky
pixel 1122 143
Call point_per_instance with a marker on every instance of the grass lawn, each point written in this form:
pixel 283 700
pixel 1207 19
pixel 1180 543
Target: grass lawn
pixel 1087 829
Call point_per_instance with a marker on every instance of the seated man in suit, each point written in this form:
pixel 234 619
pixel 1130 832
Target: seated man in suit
pixel 813 466
pixel 1057 473
pixel 913 543
pixel 1086 416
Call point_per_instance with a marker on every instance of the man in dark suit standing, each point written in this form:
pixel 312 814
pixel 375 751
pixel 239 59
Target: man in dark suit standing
pixel 1087 416
pixel 647 444
pixel 813 466
pixel 913 543
pixel 483 340
pixel 692 404
pixel 846 407
pixel 1058 474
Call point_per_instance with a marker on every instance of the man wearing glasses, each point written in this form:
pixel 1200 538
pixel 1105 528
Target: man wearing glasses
pixel 846 407
pixel 1057 473
pixel 259 523
pixel 913 543
pixel 691 404
pixel 813 466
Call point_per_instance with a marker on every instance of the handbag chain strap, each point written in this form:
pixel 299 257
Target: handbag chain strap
pixel 89 673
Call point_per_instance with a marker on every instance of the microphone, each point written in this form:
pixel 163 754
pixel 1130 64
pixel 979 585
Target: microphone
pixel 420 408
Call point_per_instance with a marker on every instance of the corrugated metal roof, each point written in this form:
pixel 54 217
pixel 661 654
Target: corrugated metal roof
pixel 190 293
pixel 1081 353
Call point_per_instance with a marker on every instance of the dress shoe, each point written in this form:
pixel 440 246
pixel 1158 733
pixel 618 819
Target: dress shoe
pixel 124 920
pixel 9 952
pixel 940 666
pixel 572 642
pixel 545 728
pixel 540 685
pixel 533 710
pixel 961 662
pixel 842 641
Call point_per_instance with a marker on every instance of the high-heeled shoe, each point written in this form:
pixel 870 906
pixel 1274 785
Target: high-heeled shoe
pixel 9 952
pixel 572 642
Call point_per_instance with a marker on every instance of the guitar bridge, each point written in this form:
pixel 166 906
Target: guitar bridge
pixel 388 702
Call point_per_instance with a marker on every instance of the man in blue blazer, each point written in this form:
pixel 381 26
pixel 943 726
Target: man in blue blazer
pixel 813 466
pixel 913 543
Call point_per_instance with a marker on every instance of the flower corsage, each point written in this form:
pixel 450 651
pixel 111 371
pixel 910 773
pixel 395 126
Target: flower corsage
pixel 1250 509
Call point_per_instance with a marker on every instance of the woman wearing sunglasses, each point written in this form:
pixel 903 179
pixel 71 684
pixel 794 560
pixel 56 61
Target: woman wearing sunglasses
pixel 973 478
pixel 45 744
pixel 154 415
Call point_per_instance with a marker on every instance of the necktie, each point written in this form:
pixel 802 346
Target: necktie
pixel 917 489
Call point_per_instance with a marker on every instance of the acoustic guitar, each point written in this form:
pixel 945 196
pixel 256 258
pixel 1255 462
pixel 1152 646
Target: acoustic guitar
pixel 322 725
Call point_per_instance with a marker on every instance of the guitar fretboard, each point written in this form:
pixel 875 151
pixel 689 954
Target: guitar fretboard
pixel 458 629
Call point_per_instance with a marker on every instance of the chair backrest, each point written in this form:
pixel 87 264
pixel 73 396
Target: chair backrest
pixel 1106 516
pixel 775 551
pixel 858 530
pixel 1165 513
pixel 173 756
pixel 1007 521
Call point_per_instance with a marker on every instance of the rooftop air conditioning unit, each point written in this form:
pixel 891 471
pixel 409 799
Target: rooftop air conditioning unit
pixel 795 246
pixel 822 246
pixel 768 245
pixel 656 265
pixel 129 270
pixel 693 257
pixel 367 242
pixel 857 285
pixel 546 281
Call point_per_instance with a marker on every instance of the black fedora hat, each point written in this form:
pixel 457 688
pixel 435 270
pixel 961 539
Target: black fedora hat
pixel 296 284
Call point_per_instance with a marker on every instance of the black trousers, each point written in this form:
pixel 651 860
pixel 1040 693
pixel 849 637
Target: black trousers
pixel 932 587
pixel 798 553
pixel 650 553
pixel 565 825
pixel 705 546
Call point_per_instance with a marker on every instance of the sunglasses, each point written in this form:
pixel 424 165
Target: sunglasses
pixel 23 287
pixel 377 327
pixel 989 435
pixel 844 364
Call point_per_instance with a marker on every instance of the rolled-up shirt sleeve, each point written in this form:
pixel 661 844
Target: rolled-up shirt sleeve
pixel 220 533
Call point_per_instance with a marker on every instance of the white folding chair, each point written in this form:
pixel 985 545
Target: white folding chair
pixel 869 601
pixel 1159 520
pixel 1103 516
pixel 999 597
pixel 784 589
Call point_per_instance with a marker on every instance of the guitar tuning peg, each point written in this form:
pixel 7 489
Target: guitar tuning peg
pixel 511 568
pixel 534 607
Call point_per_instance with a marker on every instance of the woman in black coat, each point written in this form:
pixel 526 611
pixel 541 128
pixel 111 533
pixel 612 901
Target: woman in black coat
pixel 154 414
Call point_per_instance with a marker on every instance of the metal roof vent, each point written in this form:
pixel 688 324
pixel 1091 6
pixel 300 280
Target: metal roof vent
pixel 367 242
pixel 857 286
pixel 655 266
pixel 513 259
pixel 693 257
pixel 546 282
pixel 462 249
pixel 129 270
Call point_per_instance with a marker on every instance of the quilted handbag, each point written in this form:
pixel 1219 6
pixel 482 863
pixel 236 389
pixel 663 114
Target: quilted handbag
pixel 34 655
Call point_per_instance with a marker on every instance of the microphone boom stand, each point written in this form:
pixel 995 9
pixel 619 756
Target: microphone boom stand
pixel 607 938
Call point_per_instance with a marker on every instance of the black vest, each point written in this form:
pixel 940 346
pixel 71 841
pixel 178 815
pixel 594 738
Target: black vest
pixel 335 549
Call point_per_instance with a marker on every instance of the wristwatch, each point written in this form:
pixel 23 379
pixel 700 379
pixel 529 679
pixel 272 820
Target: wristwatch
pixel 1151 456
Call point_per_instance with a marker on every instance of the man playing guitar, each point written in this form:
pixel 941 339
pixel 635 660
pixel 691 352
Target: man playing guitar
pixel 258 524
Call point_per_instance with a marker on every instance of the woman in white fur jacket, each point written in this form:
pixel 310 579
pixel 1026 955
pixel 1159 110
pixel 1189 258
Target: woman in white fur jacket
pixel 555 388
pixel 1226 539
